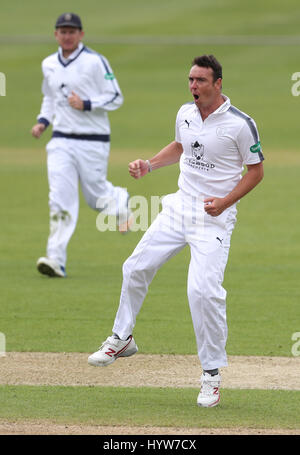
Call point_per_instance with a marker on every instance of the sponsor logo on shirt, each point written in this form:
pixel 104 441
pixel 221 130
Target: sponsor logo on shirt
pixel 109 76
pixel 198 160
pixel 256 148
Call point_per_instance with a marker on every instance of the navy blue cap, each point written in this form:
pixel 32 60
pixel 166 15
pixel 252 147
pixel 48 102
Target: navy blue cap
pixel 69 20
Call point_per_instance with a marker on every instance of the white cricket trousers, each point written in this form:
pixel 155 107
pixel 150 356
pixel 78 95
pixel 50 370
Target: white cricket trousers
pixel 209 241
pixel 70 162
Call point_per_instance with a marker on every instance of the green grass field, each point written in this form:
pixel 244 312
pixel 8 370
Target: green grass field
pixel 150 46
pixel 144 406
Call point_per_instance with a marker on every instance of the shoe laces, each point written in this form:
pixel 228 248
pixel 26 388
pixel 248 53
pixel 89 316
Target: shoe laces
pixel 109 341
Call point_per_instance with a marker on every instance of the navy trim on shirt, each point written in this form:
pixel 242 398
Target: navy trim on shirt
pixel 108 71
pixel 250 124
pixel 84 137
pixel 70 61
pixel 113 99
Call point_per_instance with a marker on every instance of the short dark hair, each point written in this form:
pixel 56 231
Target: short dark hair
pixel 209 61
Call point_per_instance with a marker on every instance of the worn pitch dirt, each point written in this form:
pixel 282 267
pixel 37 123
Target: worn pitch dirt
pixel 52 428
pixel 71 369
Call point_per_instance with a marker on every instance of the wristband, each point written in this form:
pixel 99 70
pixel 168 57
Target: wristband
pixel 87 105
pixel 149 166
pixel 44 121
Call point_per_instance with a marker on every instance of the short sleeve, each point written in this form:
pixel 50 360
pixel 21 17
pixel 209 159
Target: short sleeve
pixel 177 131
pixel 248 142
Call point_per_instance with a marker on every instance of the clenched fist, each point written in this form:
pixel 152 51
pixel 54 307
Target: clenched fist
pixel 37 130
pixel 75 101
pixel 138 168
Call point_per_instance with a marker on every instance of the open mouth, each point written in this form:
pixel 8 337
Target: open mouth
pixel 196 97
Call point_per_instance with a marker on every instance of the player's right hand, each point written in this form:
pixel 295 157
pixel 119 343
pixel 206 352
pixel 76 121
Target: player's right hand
pixel 138 168
pixel 37 130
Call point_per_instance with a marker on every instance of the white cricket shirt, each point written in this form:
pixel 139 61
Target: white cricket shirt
pixel 90 76
pixel 215 150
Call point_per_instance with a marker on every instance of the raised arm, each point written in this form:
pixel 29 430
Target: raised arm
pixel 167 156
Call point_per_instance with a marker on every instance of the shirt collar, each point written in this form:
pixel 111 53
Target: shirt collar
pixel 224 107
pixel 71 56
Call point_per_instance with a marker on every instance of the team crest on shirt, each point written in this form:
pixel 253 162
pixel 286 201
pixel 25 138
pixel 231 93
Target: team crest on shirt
pixel 198 159
pixel 64 90
pixel 198 150
pixel 221 131
pixel 64 93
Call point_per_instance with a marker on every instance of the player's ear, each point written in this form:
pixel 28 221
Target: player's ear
pixel 218 83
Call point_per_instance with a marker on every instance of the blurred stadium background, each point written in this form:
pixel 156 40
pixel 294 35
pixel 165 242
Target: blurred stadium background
pixel 150 45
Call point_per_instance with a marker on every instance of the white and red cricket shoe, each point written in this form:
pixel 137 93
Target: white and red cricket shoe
pixel 111 349
pixel 209 395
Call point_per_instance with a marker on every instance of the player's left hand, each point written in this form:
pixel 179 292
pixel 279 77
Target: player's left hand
pixel 214 206
pixel 75 101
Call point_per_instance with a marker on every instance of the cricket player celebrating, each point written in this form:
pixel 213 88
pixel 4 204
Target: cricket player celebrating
pixel 79 90
pixel 213 143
